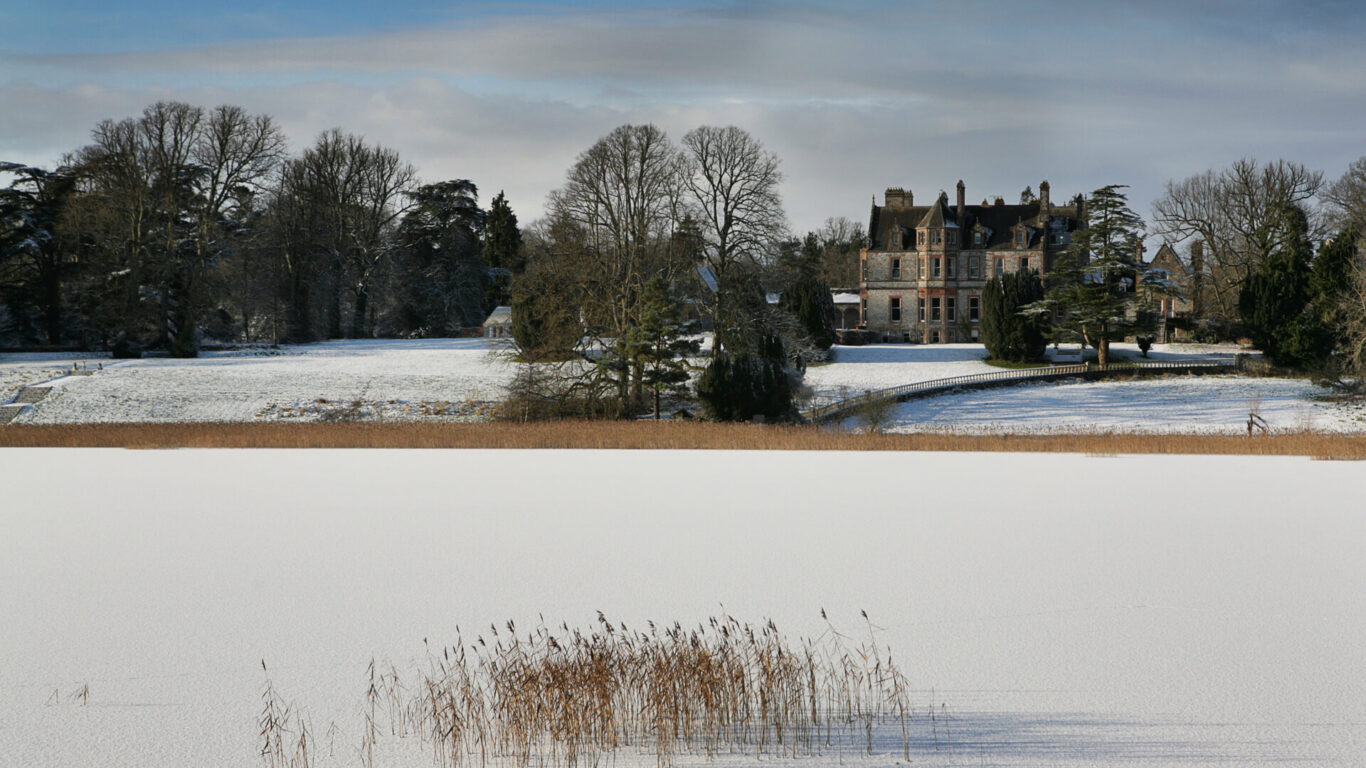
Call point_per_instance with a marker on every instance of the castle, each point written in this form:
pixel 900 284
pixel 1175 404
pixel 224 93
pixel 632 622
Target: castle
pixel 925 266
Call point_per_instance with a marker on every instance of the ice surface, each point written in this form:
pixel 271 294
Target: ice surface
pixel 1064 610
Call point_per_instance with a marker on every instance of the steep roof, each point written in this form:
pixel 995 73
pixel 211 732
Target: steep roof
pixel 999 219
pixel 938 216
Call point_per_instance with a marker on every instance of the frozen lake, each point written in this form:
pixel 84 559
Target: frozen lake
pixel 1063 610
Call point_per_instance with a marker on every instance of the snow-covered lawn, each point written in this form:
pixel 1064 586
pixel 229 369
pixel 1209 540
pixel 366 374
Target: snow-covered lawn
pixel 878 366
pixel 445 377
pixel 1187 404
pixel 1055 610
pixel 458 379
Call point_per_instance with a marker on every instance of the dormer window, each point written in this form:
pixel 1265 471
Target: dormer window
pixel 896 237
pixel 977 239
pixel 1019 238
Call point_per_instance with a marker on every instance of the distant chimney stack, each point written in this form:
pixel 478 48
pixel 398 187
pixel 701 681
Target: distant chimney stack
pixel 962 201
pixel 1043 196
pixel 1000 201
pixel 896 197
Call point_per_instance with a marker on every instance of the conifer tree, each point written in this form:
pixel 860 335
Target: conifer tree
pixel 660 342
pixel 1276 302
pixel 502 238
pixel 1093 291
pixel 1006 332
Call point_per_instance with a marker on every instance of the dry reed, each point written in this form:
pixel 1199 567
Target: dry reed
pixel 575 697
pixel 672 435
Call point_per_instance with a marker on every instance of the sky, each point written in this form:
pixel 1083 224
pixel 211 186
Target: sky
pixel 854 97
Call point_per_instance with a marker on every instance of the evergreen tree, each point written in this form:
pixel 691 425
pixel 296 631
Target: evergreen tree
pixel 1331 277
pixel 32 267
pixel 751 376
pixel 1006 332
pixel 442 281
pixel 660 342
pixel 807 297
pixel 1094 286
pixel 502 238
pixel 1277 300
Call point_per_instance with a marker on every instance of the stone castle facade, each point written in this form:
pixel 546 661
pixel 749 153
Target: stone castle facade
pixel 925 266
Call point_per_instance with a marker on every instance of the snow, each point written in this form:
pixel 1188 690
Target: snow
pixel 400 379
pixel 878 366
pixel 1185 404
pixel 1059 610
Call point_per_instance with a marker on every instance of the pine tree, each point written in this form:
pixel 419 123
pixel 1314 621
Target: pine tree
pixel 1094 285
pixel 660 342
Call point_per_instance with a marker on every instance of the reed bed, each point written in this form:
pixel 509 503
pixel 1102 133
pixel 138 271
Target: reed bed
pixel 581 697
pixel 646 435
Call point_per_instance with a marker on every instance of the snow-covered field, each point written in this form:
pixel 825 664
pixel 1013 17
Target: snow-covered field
pixel 420 376
pixel 1059 610
pixel 459 379
pixel 878 366
pixel 1187 404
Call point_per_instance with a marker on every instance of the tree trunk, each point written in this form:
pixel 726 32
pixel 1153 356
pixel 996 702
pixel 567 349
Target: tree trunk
pixel 51 293
pixel 358 312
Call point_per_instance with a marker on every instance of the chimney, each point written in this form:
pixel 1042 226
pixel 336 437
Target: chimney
pixel 896 197
pixel 1000 201
pixel 962 194
pixel 1043 196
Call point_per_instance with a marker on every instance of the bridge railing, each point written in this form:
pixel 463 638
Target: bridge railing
pixel 905 391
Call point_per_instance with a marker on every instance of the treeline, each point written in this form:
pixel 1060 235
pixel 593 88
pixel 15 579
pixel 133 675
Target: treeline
pixel 1273 254
pixel 186 225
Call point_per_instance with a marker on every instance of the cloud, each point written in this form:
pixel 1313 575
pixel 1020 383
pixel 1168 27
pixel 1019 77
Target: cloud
pixel 853 101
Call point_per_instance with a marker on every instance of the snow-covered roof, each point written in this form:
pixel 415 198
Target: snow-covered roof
pixel 845 298
pixel 499 316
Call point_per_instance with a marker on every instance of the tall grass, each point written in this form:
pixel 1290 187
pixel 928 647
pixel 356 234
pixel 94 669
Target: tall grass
pixel 572 697
pixel 655 435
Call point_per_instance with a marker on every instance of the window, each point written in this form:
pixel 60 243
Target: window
pixel 974 269
pixel 1024 263
pixel 1019 238
pixel 974 309
pixel 1000 268
pixel 977 238
pixel 921 305
pixel 895 308
pixel 934 309
pixel 951 309
pixel 863 270
pixel 951 237
pixel 896 237
pixel 920 238
pixel 934 337
pixel 936 236
pixel 953 267
pixel 905 337
pixel 863 310
pixel 934 266
pixel 896 269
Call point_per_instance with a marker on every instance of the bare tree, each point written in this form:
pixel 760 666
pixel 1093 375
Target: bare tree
pixel 733 183
pixel 1233 213
pixel 356 194
pixel 1346 197
pixel 620 202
